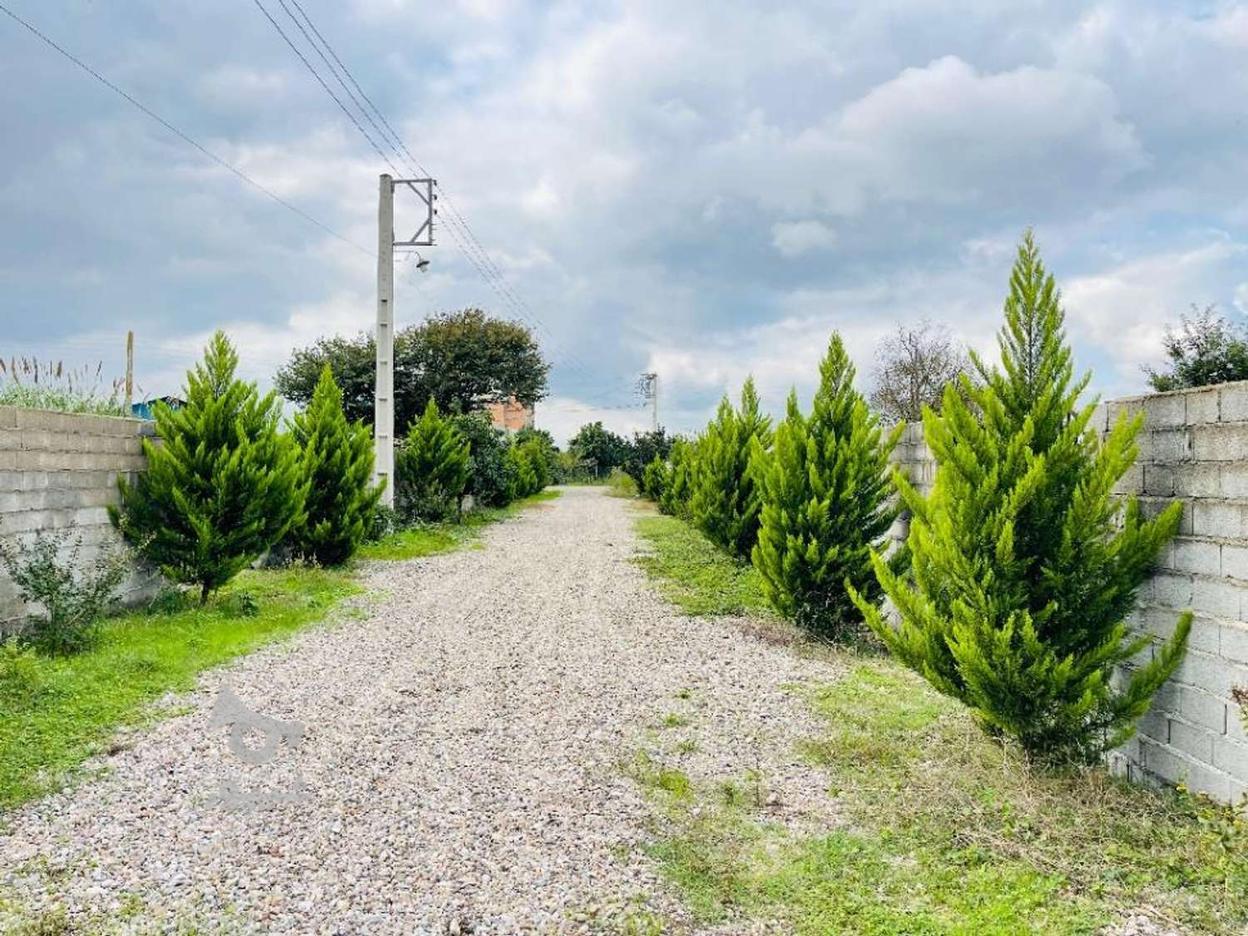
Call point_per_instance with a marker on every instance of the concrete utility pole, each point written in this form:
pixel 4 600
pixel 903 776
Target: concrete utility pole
pixel 383 399
pixel 129 370
pixel 383 396
pixel 650 388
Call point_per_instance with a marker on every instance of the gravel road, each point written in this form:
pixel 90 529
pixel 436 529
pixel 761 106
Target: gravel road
pixel 460 768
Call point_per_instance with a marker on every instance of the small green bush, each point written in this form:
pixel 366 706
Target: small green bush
pixel 826 503
pixel 621 484
pixel 336 468
pixel 223 486
pixel 74 596
pixel 432 468
pixel 654 479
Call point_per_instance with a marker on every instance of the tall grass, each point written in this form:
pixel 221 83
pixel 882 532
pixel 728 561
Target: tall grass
pixel 50 385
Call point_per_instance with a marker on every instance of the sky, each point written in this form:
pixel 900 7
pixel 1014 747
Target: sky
pixel 705 190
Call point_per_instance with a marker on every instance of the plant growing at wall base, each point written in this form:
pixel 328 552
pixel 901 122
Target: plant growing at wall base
pixel 1024 567
pixel 432 468
pixel 336 467
pixel 221 488
pixel 49 572
pixel 725 500
pixel 826 503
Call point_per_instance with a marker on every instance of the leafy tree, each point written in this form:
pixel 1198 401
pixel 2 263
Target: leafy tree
pixel 432 468
pixel 541 443
pixel 1024 565
pixel 336 464
pixel 912 368
pixel 1207 349
pixel 461 360
pixel 642 450
pixel 601 446
pixel 826 503
pixel 678 482
pixel 725 500
pixel 222 487
pixel 489 473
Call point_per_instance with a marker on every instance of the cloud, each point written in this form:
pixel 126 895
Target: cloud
pixel 793 238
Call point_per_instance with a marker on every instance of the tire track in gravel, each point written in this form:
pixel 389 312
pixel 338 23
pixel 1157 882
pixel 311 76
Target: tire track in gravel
pixel 462 755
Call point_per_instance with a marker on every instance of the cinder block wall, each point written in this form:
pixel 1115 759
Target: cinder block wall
pixel 1194 449
pixel 58 471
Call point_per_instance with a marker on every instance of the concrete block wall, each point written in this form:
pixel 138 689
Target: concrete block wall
pixel 1193 449
pixel 59 471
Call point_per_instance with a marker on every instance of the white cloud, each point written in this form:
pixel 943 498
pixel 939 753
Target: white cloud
pixel 793 238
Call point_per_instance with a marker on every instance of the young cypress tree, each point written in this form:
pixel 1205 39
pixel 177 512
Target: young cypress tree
pixel 654 479
pixel 725 499
pixel 826 503
pixel 432 467
pixel 336 464
pixel 682 461
pixel 222 487
pixel 1024 565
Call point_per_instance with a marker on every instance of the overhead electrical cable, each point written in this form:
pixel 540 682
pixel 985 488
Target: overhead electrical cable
pixel 180 134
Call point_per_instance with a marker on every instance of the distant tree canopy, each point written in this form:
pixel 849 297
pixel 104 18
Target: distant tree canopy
pixel 912 368
pixel 644 448
pixel 460 360
pixel 1207 349
pixel 595 443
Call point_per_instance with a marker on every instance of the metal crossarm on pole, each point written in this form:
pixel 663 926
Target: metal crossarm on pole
pixel 424 191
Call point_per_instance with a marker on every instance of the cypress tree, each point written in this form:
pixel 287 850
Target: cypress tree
pixel 1024 566
pixel 222 487
pixel 654 479
pixel 336 464
pixel 725 499
pixel 432 467
pixel 826 503
pixel 682 460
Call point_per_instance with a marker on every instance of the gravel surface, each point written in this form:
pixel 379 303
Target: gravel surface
pixel 460 763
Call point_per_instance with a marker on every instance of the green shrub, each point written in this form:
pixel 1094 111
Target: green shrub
pixel 1024 565
pixel 491 480
pixel 533 454
pixel 725 500
pixel 621 484
pixel 431 468
pixel 48 571
pixel 336 467
pixel 826 503
pixel 654 479
pixel 222 487
pixel 678 482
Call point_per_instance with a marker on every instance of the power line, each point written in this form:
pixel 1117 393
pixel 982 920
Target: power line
pixel 182 135
pixel 463 235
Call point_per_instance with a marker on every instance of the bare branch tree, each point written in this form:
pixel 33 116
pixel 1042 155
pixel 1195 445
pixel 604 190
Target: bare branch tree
pixel 912 368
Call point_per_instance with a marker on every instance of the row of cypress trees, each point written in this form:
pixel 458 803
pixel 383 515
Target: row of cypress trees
pixel 1012 589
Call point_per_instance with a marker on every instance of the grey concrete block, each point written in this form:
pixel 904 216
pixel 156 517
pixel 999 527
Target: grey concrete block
pixel 1233 479
pixel 1202 708
pixel 1173 767
pixel 1192 740
pixel 1172 591
pixel 1192 480
pixel 1234 561
pixel 1217 597
pixel 1195 555
pixel 1170 446
pixel 1131 481
pixel 1165 409
pixel 1231 757
pixel 1233 402
pixel 1221 519
pixel 1160 480
pixel 1220 442
pixel 1213 674
pixel 1202 405
pixel 1234 644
